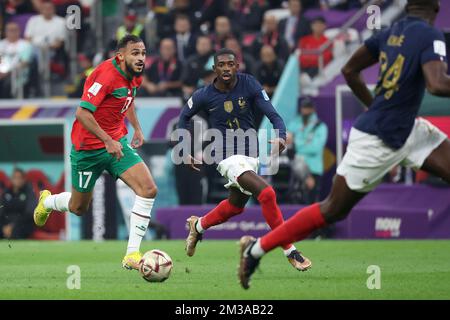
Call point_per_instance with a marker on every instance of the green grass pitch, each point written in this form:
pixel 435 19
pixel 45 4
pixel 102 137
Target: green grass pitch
pixel 409 270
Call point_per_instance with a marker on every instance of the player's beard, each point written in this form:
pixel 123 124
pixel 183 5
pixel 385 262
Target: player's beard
pixel 131 71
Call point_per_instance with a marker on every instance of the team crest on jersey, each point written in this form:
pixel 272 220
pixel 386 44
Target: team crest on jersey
pixel 228 106
pixel 242 103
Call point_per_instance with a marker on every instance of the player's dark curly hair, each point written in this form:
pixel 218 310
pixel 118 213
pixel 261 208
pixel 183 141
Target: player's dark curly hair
pixel 222 52
pixel 127 39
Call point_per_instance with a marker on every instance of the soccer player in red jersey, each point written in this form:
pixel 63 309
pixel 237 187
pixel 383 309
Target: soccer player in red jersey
pixel 412 56
pixel 100 143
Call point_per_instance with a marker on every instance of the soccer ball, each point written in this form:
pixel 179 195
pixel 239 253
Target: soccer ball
pixel 155 266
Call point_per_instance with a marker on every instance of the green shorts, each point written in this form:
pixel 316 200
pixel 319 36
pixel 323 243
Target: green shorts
pixel 88 165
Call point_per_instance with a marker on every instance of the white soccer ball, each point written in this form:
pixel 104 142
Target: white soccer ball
pixel 155 266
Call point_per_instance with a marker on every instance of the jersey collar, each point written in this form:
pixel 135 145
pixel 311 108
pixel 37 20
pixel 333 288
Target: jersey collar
pixel 116 65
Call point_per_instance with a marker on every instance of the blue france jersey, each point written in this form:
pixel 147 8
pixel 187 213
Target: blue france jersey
pixel 401 50
pixel 233 110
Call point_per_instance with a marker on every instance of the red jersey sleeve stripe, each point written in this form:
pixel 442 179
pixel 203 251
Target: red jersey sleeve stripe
pixel 88 105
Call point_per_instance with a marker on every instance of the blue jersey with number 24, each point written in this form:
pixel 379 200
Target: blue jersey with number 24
pixel 402 50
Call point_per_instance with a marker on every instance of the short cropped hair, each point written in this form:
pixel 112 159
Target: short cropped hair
pixel 127 39
pixel 222 52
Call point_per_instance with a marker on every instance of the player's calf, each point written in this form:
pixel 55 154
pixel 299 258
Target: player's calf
pixel 139 220
pixel 78 209
pixel 221 213
pixel 339 203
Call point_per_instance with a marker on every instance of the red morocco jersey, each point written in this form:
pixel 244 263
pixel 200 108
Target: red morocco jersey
pixel 108 93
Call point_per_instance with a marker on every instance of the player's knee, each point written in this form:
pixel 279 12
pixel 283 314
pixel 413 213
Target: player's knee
pixel 267 195
pixel 148 192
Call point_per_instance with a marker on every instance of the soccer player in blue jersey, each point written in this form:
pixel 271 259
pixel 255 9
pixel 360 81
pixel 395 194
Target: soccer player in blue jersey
pixel 412 57
pixel 230 102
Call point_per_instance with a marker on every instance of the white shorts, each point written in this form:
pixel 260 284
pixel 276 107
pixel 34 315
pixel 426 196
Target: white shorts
pixel 232 167
pixel 368 159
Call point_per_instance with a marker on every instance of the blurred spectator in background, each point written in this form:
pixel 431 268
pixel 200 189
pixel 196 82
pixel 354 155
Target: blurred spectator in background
pixel 207 75
pixel 166 21
pixel 222 31
pixel 130 26
pixel 159 10
pixel 333 4
pixel 15 55
pixel 310 62
pixel 194 67
pixel 109 52
pixel 2 18
pixel 62 5
pixel 16 208
pixel 275 4
pixel 47 31
pixel 295 26
pixel 191 185
pixel 206 12
pixel 270 36
pixel 86 65
pixel 308 135
pixel 246 15
pixel 269 70
pixel 184 38
pixel 310 4
pixel 163 78
pixel 246 61
pixel 11 8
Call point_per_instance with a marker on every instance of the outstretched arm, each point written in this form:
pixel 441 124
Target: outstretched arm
pixel 361 59
pixel 263 103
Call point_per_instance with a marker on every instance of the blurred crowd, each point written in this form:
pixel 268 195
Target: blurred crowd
pixel 180 35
